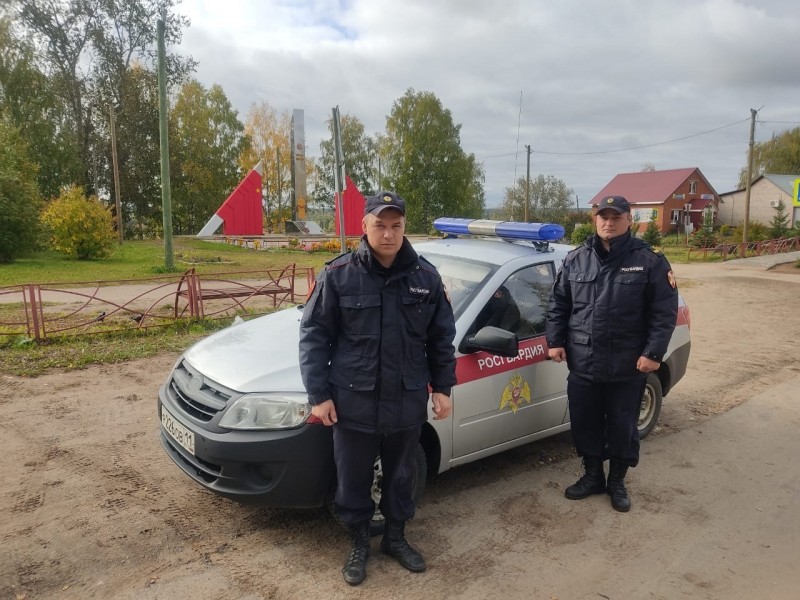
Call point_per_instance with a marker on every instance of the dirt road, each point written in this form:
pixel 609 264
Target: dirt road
pixel 91 507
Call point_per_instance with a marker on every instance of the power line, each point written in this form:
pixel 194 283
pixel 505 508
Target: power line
pixel 686 137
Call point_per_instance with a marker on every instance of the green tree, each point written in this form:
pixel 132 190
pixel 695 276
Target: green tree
pixel 580 233
pixel 27 100
pixel 79 227
pixel 652 235
pixel 19 196
pixel 138 154
pixel 86 48
pixel 424 162
pixel 550 200
pixel 360 156
pixel 779 224
pixel 779 155
pixel 206 141
pixel 705 236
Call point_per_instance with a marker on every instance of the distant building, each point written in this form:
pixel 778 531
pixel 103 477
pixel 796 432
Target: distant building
pixel 675 198
pixel 765 193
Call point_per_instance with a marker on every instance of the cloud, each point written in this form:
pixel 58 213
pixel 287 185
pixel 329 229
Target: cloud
pixel 564 77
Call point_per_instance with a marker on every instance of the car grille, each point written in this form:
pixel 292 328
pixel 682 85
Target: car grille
pixel 196 395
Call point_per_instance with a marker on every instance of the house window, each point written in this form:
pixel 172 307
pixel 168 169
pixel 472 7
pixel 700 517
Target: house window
pixel 692 187
pixel 675 216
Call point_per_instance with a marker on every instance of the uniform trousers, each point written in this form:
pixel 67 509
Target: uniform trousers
pixel 354 453
pixel 604 417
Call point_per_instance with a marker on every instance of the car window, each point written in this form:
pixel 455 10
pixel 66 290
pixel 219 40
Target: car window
pixel 520 304
pixel 462 278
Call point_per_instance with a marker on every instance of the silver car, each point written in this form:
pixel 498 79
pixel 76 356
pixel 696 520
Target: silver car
pixel 234 413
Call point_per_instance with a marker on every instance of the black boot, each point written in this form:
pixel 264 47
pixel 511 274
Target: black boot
pixel 616 486
pixel 593 480
pixel 355 567
pixel 395 545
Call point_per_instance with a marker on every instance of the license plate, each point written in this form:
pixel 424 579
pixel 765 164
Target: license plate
pixel 177 432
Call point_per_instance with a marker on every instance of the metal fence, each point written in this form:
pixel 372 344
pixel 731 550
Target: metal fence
pixel 42 311
pixel 743 250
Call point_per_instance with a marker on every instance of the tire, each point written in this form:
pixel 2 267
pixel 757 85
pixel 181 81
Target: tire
pixel 377 523
pixel 650 408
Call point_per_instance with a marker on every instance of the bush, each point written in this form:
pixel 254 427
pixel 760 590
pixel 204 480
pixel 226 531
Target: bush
pixel 779 224
pixel 703 238
pixel 80 227
pixel 19 196
pixel 652 235
pixel 757 232
pixel 580 233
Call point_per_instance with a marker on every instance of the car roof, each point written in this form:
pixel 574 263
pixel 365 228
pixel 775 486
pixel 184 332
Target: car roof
pixel 492 250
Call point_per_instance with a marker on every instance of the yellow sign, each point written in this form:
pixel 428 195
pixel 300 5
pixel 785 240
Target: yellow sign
pixel 796 195
pixel 515 393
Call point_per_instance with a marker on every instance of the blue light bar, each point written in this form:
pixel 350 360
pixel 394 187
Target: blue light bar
pixel 540 232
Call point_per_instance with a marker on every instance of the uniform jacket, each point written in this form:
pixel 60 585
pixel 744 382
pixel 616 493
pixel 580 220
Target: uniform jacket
pixel 609 308
pixel 373 339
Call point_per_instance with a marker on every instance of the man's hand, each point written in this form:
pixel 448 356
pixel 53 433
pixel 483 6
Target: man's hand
pixel 325 412
pixel 557 354
pixel 647 365
pixel 442 406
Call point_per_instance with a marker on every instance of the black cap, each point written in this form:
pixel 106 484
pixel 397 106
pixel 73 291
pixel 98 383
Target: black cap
pixel 616 203
pixel 375 204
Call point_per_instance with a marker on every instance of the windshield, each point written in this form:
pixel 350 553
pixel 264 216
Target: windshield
pixel 462 278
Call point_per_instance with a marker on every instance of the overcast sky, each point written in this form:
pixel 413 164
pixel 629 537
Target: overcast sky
pixel 596 88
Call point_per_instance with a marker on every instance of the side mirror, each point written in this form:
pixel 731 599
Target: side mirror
pixel 492 340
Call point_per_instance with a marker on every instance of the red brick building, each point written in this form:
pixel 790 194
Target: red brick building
pixel 675 198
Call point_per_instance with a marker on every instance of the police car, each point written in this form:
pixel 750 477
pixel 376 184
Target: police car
pixel 234 413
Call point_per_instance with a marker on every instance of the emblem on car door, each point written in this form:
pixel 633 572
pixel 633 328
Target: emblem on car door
pixel 516 392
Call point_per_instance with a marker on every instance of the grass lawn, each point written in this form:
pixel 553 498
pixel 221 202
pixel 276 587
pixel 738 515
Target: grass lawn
pixel 143 259
pixel 25 358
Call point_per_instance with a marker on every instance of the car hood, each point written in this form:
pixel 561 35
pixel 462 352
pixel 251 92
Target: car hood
pixel 260 355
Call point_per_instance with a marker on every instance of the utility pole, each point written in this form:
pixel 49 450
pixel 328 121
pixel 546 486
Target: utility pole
pixel 163 122
pixel 278 201
pixel 116 173
pixel 528 184
pixel 338 175
pixel 746 226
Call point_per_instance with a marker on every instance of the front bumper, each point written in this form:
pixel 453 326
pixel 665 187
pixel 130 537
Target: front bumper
pixel 287 468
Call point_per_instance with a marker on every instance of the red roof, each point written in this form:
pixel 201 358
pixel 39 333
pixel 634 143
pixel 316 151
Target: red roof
pixel 699 204
pixel 652 186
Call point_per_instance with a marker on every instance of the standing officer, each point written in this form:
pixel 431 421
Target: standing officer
pixel 611 314
pixel 377 330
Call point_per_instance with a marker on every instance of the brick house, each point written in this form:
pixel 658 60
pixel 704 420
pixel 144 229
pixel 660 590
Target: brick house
pixel 676 198
pixel 765 193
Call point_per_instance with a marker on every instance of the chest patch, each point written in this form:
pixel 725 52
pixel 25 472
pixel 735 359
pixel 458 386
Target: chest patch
pixel 631 269
pixel 418 291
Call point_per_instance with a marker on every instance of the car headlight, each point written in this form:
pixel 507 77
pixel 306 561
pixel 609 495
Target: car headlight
pixel 267 411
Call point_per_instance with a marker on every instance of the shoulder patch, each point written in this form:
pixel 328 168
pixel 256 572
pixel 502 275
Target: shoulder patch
pixel 671 279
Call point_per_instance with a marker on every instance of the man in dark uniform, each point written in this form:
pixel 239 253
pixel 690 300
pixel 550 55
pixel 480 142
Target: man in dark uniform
pixel 376 332
pixel 611 315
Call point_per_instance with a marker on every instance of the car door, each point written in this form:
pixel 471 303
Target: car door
pixel 501 400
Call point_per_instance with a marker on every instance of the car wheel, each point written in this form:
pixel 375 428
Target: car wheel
pixel 377 522
pixel 650 407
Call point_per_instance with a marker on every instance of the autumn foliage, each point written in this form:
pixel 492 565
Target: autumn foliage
pixel 78 226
